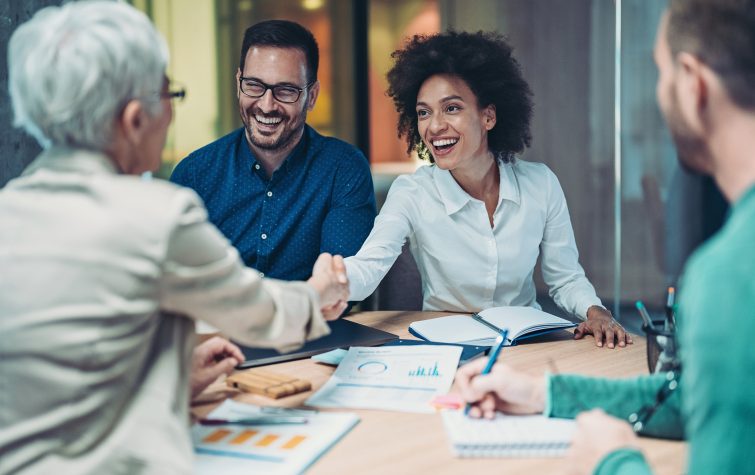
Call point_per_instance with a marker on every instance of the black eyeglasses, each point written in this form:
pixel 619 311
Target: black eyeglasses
pixel 281 92
pixel 178 94
pixel 176 90
pixel 640 418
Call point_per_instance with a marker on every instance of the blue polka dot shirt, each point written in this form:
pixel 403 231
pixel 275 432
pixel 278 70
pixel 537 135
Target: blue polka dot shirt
pixel 321 199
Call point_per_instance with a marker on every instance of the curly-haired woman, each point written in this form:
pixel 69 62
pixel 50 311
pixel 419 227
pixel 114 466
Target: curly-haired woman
pixel 476 218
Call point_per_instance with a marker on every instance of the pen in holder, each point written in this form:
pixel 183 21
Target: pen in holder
pixel 661 349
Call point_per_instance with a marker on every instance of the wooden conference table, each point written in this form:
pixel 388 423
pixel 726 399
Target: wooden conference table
pixel 401 443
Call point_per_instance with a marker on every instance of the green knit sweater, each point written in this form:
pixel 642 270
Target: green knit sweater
pixel 715 403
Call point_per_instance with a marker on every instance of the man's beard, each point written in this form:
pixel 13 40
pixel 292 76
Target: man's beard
pixel 692 151
pixel 284 139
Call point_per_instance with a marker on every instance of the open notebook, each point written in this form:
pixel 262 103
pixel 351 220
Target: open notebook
pixel 508 436
pixel 483 328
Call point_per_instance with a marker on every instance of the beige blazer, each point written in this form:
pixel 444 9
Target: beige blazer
pixel 102 278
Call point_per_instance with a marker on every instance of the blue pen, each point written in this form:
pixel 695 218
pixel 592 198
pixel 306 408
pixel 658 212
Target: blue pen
pixel 499 342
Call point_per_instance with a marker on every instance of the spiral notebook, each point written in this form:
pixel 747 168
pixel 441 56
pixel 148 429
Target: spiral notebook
pixel 508 436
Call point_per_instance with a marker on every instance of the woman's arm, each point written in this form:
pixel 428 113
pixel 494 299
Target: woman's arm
pixel 383 246
pixel 562 272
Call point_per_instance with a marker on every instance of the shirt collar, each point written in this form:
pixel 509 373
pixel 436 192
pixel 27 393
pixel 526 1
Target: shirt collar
pixel 746 197
pixel 297 154
pixel 509 188
pixel 65 159
pixel 451 194
pixel 454 197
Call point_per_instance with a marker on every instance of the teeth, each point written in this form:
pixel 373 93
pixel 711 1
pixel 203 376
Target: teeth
pixel 441 143
pixel 268 120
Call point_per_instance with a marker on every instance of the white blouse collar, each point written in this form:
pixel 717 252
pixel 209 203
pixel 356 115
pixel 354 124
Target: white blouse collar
pixel 454 197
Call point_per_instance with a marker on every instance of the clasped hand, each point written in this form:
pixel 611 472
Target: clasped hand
pixel 331 283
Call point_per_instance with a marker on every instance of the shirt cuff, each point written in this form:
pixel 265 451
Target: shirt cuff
pixel 582 311
pixel 548 400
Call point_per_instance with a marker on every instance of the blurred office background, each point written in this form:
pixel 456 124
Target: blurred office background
pixel 636 215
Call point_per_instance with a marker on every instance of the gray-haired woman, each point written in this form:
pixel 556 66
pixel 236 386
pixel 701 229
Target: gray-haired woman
pixel 105 273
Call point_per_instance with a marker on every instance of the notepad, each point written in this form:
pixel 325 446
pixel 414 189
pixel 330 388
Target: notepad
pixel 508 436
pixel 482 329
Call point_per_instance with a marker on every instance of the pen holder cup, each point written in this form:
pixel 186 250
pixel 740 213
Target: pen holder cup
pixel 661 349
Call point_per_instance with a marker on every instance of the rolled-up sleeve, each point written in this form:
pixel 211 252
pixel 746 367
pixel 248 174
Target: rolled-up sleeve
pixel 204 278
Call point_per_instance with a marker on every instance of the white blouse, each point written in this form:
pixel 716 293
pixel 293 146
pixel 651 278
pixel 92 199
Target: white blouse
pixel 465 264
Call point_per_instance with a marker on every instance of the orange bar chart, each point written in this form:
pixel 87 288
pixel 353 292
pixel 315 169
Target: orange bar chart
pixel 266 440
pixel 244 436
pixel 216 436
pixel 293 442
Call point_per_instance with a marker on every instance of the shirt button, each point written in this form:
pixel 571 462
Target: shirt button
pixel 256 166
pixel 264 236
pixel 262 274
pixel 269 194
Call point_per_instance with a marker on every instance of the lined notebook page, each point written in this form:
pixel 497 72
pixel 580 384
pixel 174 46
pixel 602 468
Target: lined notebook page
pixel 508 436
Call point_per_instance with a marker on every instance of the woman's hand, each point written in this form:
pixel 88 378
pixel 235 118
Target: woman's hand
pixel 598 434
pixel 330 281
pixel 210 359
pixel 503 389
pixel 600 323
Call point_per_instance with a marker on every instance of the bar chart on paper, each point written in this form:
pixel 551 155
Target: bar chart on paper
pixel 422 371
pixel 269 449
pixel 391 378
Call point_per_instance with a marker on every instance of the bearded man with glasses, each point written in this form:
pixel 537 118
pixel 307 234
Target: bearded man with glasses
pixel 280 191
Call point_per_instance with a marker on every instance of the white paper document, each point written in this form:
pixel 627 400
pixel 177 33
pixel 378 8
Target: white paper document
pixel 392 378
pixel 280 449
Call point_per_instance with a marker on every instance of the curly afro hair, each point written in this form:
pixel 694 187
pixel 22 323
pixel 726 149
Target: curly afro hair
pixel 484 61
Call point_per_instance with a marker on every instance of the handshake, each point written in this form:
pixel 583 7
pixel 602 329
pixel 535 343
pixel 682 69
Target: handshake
pixel 331 283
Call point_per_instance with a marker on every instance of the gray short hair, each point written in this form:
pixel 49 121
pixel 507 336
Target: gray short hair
pixel 72 69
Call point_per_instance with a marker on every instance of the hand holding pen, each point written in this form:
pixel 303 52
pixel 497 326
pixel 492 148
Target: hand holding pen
pixel 492 358
pixel 501 388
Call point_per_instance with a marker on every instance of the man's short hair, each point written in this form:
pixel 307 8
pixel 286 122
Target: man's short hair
pixel 722 34
pixel 71 70
pixel 283 34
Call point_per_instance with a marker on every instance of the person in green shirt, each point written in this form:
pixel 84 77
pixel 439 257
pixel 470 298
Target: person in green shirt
pixel 705 52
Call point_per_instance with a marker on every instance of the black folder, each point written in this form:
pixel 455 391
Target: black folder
pixel 343 334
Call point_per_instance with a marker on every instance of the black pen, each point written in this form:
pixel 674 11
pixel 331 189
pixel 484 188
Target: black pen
pixel 255 421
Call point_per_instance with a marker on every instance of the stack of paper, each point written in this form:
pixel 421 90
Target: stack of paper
pixel 258 448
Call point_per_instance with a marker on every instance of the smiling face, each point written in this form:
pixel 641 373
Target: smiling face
pixel 271 125
pixel 451 123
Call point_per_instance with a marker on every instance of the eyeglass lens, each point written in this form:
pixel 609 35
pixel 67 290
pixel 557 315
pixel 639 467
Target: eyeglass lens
pixel 287 94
